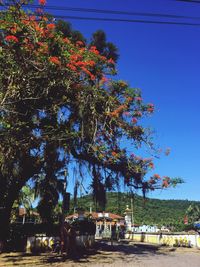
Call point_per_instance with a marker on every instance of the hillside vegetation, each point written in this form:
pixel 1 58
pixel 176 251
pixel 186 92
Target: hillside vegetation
pixel 148 211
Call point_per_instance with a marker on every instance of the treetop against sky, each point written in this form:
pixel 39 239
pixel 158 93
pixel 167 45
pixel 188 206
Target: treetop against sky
pixel 152 58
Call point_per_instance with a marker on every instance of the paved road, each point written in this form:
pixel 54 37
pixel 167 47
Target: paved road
pixel 119 255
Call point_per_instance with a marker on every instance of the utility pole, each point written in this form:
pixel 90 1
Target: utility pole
pixel 64 195
pixel 64 208
pixel 90 207
pixel 132 218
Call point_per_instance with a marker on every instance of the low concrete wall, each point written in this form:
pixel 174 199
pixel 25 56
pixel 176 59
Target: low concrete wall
pixel 168 239
pixel 42 243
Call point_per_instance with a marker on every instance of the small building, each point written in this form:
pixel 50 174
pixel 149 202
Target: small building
pixel 104 221
pixel 146 228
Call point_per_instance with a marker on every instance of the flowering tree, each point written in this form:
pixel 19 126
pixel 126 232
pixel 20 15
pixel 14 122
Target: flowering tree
pixel 57 98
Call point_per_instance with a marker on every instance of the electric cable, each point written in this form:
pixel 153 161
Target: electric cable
pixel 126 20
pixel 115 12
pixel 189 1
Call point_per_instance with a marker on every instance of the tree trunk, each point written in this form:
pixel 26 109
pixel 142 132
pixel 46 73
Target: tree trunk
pixel 6 203
pixel 5 212
pixel 10 188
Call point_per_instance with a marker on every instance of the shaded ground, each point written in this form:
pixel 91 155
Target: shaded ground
pixel 121 254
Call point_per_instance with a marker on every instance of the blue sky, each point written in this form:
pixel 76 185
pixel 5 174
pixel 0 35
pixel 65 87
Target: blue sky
pixel 164 61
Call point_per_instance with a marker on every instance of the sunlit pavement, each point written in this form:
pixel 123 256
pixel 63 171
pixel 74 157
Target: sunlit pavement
pixel 120 254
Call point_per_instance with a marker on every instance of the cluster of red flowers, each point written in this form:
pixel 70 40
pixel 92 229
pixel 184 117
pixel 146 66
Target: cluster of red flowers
pixel 71 67
pixel 138 98
pixel 118 111
pixel 114 154
pixel 51 26
pixel 150 108
pixel 76 58
pixel 165 182
pixel 134 120
pixel 78 64
pixel 43 48
pixel 11 38
pixel 84 65
pixel 66 40
pixel 55 60
pixel 129 99
pixel 42 2
pixel 156 176
pixel 151 165
pixel 13 30
pixel 138 113
pixel 104 79
pixel 111 61
pixel 94 50
pixel 80 44
pixel 40 29
pixel 152 181
pixel 28 46
pixel 79 61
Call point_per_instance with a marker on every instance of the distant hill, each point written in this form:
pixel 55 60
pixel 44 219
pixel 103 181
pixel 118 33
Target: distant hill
pixel 148 211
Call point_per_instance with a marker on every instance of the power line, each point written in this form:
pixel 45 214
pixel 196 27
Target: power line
pixel 114 12
pixel 128 20
pixel 183 23
pixel 189 1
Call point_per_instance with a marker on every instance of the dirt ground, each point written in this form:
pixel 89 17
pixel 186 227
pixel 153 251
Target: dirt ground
pixel 104 255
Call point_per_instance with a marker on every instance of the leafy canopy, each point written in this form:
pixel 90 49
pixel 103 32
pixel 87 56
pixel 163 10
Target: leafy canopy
pixel 59 102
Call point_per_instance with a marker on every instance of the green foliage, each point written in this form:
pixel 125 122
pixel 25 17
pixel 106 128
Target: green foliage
pixel 25 198
pixel 146 211
pixel 107 49
pixel 193 212
pixel 66 29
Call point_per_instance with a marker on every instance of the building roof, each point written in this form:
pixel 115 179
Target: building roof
pixel 98 216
